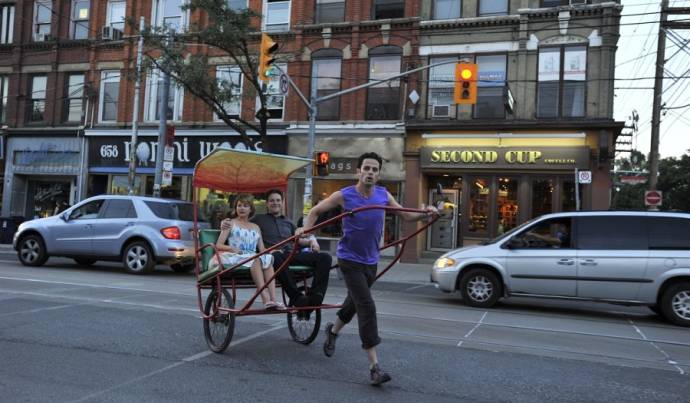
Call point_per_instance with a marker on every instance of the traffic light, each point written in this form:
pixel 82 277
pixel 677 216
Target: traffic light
pixel 266 58
pixel 466 83
pixel 321 160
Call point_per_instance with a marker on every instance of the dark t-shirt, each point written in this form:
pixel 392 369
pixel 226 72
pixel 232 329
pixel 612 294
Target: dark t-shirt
pixel 275 229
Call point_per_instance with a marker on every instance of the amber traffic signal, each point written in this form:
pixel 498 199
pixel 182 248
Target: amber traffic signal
pixel 266 57
pixel 465 83
pixel 321 160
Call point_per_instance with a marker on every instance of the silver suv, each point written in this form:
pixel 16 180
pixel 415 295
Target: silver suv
pixel 628 258
pixel 139 231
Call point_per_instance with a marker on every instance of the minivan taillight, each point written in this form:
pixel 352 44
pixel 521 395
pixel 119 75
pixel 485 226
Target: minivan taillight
pixel 171 232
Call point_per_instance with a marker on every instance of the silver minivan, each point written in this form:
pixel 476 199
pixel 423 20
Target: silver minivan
pixel 139 231
pixel 628 258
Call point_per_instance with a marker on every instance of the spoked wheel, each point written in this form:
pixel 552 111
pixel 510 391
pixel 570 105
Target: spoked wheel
pixel 219 328
pixel 304 326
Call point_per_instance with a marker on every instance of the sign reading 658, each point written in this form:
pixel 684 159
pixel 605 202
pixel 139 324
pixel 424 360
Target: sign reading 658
pixel 109 151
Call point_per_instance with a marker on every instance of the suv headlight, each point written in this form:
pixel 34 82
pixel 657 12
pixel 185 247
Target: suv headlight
pixel 444 263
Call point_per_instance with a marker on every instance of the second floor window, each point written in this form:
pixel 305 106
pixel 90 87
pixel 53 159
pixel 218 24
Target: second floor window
pixel 42 16
pixel 74 98
pixel 493 7
pixel 80 19
pixel 154 90
pixel 441 87
pixel 4 90
pixel 110 92
pixel 237 5
pixel 388 9
pixel 326 73
pixel 447 9
pixel 275 100
pixel 490 86
pixel 230 82
pixel 115 16
pixel 383 100
pixel 37 99
pixel 277 15
pixel 169 13
pixel 561 82
pixel 330 11
pixel 6 23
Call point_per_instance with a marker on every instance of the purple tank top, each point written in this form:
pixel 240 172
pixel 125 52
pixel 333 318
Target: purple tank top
pixel 362 231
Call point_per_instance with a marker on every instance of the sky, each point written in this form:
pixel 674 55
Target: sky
pixel 635 58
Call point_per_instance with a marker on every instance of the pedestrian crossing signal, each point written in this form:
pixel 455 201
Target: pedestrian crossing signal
pixel 465 84
pixel 321 160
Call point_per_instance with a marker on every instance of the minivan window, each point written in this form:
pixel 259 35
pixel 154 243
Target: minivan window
pixel 172 211
pixel 120 209
pixel 554 233
pixel 669 233
pixel 611 233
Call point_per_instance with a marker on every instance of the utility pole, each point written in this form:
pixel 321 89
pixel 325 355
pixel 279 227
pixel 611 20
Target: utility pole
pixel 162 124
pixel 135 115
pixel 656 104
pixel 308 178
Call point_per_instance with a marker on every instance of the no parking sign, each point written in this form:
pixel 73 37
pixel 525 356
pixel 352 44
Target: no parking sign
pixel 584 176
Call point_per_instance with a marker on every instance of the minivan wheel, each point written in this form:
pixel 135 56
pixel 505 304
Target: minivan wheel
pixel 480 288
pixel 675 304
pixel 138 259
pixel 32 251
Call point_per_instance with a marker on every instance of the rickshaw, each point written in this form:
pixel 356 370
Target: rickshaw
pixel 229 170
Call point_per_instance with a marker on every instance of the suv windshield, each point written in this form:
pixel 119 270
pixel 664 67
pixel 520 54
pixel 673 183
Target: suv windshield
pixel 172 210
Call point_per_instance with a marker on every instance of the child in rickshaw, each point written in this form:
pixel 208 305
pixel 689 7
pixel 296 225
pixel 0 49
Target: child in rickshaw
pixel 238 240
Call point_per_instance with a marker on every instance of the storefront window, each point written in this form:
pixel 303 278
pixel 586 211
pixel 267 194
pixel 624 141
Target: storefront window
pixel 542 197
pixel 120 185
pixel 480 192
pixel 49 198
pixel 507 204
pixel 568 195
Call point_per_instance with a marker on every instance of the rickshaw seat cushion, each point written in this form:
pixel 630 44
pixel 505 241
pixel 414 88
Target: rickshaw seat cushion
pixel 210 236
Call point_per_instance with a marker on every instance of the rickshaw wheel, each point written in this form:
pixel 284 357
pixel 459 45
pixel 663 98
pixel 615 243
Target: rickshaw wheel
pixel 304 326
pixel 219 328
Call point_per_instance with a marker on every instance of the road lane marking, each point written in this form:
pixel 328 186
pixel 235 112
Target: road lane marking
pixel 29 311
pixel 416 287
pixel 668 357
pixel 278 325
pixel 473 329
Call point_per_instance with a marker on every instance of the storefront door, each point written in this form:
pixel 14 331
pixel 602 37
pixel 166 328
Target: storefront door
pixel 442 235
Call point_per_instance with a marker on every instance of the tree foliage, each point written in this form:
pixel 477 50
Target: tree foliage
pixel 229 36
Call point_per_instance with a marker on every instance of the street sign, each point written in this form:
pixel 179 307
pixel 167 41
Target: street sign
pixel 167 166
pixel 169 153
pixel 633 180
pixel 584 176
pixel 652 198
pixel 284 84
pixel 166 179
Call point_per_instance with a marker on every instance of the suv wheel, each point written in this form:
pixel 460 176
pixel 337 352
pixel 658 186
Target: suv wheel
pixel 137 258
pixel 32 251
pixel 480 288
pixel 675 304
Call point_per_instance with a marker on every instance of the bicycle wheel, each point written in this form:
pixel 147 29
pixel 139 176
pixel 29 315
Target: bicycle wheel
pixel 304 326
pixel 219 328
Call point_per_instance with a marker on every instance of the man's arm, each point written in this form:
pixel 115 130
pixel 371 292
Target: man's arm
pixel 331 202
pixel 408 215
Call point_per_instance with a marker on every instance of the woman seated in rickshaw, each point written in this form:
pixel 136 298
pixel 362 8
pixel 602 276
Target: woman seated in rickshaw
pixel 238 240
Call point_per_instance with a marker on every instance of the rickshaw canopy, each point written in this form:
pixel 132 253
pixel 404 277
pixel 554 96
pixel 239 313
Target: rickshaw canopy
pixel 231 170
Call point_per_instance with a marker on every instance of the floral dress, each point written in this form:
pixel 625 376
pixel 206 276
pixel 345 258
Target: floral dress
pixel 245 240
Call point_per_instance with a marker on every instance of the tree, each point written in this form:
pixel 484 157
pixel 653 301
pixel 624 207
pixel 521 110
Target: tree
pixel 627 196
pixel 674 182
pixel 228 34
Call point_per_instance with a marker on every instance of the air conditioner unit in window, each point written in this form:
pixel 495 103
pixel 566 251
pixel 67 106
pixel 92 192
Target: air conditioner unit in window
pixel 109 33
pixel 440 111
pixel 41 37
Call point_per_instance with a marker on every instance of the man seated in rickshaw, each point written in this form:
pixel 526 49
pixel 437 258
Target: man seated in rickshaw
pixel 275 228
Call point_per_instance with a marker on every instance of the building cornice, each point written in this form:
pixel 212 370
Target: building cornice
pixel 512 125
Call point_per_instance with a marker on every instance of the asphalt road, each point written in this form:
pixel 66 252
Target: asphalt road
pixel 99 335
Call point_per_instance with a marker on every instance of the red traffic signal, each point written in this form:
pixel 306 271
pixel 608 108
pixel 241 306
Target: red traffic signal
pixel 321 160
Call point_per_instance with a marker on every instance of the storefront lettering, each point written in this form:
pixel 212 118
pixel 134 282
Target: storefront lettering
pixel 181 150
pixel 522 157
pixel 466 156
